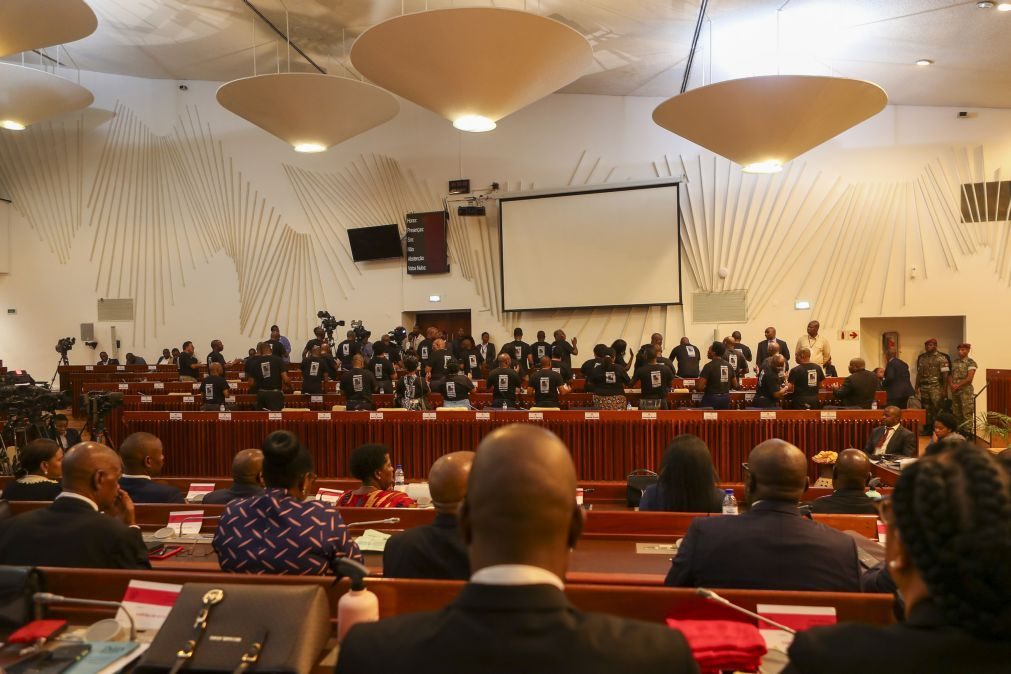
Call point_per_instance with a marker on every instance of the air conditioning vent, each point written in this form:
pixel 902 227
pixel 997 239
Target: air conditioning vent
pixel 115 310
pixel 730 306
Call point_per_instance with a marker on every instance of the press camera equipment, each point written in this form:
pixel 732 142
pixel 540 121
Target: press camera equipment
pixel 63 347
pixel 329 324
pixel 361 334
pixel 398 336
pixel 96 406
pixel 27 412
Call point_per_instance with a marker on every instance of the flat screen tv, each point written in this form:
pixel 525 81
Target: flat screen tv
pixel 375 243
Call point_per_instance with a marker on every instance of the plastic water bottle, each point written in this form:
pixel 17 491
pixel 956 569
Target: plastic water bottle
pixel 729 502
pixel 398 479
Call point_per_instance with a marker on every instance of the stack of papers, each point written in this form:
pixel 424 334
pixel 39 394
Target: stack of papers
pixel 372 541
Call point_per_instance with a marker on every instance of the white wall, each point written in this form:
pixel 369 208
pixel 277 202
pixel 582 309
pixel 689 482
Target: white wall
pixel 173 200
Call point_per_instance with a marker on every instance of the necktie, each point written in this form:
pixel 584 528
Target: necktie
pixel 883 440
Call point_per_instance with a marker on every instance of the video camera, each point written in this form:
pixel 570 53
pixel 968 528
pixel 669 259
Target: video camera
pixel 398 336
pixel 328 322
pixel 30 402
pixel 65 345
pixel 361 334
pixel 99 403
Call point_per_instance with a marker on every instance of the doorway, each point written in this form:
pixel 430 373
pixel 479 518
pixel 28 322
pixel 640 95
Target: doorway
pixel 910 332
pixel 449 321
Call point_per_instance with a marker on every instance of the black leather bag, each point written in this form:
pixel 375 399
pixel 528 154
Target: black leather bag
pixel 17 585
pixel 291 621
pixel 638 480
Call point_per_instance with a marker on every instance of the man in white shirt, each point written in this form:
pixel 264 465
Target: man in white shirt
pixel 821 350
pixel 519 520
pixel 891 437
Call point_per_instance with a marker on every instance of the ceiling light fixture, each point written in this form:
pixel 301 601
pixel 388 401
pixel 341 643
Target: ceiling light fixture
pixel 1004 7
pixel 924 62
pixel 985 4
pixel 767 166
pixel 801 305
pixel 456 63
pixel 309 111
pixel 753 119
pixel 33 24
pixel 11 125
pixel 29 96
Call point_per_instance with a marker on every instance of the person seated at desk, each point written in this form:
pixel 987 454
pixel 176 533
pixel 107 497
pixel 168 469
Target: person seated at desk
pixel 859 388
pixel 455 387
pixel 247 479
pixel 891 437
pixel 42 468
pixel 850 475
pixel 66 437
pixel 608 383
pixel 771 546
pixel 90 524
pixel 371 464
pixel 435 550
pixel 166 358
pixel 687 481
pixel 519 520
pixel 949 539
pixel 412 390
pixel 103 359
pixel 134 359
pixel 279 532
pixel 945 434
pixel 143 458
pixel 716 379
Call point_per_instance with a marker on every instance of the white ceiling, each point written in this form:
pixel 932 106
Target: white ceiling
pixel 640 46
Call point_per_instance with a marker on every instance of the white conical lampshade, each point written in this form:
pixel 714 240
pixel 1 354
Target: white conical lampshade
pixel 34 24
pixel 29 96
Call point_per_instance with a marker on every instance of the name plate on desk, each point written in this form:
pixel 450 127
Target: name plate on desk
pixel 696 397
pixel 189 399
pixel 709 416
pixel 688 383
pixel 120 368
pixel 152 368
pixel 224 416
pixel 315 399
pixel 535 416
pixel 175 416
pixel 196 386
pixel 649 415
pixel 375 416
pixel 230 401
pixel 482 416
pixel 656 548
pixel 827 415
pixel 767 415
pixel 428 416
pixel 145 399
pixel 323 416
pixel 749 396
pixel 159 386
pixel 89 368
pixel 274 416
pixel 591 415
pixel 124 387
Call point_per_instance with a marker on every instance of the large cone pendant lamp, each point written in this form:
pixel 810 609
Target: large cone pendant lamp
pixel 472 65
pixel 763 122
pixel 34 24
pixel 29 96
pixel 311 112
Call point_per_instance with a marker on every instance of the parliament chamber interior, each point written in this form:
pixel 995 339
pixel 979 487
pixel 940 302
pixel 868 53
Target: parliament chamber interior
pixel 504 336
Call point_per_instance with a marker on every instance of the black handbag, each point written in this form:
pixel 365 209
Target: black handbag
pixel 638 480
pixel 217 627
pixel 17 607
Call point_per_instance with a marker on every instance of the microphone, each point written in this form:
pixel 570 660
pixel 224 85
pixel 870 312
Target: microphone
pixel 175 528
pixel 876 483
pixel 712 596
pixel 389 520
pixel 46 598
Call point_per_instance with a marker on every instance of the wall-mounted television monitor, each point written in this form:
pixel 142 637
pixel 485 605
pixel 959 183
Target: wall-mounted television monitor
pixel 375 243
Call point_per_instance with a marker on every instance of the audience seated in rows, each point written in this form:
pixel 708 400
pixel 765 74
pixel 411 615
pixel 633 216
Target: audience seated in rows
pixel 948 545
pixel 436 550
pixel 850 475
pixel 247 478
pixel 771 546
pixel 91 523
pixel 687 481
pixel 279 531
pixel 519 519
pixel 371 464
pixel 42 465
pixel 143 458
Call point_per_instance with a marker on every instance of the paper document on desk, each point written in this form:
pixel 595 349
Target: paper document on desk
pixel 656 548
pixel 149 603
pixel 186 522
pixel 107 656
pixel 372 541
pixel 327 495
pixel 198 490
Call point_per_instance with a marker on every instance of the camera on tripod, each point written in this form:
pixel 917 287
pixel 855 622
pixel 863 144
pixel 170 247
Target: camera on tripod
pixel 30 402
pixel 361 334
pixel 398 336
pixel 65 345
pixel 99 403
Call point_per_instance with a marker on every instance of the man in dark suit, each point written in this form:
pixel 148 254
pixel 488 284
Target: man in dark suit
pixel 436 550
pixel 850 474
pixel 762 351
pixel 519 519
pixel 73 531
pixel 66 437
pixel 859 388
pixel 143 458
pixel 487 350
pixel 103 359
pixel 772 546
pixel 896 383
pixel 247 478
pixel 891 437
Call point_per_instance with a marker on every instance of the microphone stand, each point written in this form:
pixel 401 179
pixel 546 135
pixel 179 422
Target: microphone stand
pixel 389 520
pixel 712 596
pixel 47 598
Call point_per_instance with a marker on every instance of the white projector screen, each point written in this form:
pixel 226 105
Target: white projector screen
pixel 599 248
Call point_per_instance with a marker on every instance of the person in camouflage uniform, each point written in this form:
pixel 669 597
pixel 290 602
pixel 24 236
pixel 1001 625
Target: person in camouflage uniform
pixel 963 402
pixel 932 369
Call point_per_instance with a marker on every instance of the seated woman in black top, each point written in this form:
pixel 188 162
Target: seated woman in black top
pixel 609 382
pixel 716 379
pixel 42 470
pixel 687 480
pixel 949 541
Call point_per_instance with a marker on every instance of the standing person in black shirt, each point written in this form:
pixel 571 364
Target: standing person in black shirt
pixel 393 351
pixel 540 348
pixel 487 350
pixel 412 389
pixel 547 384
pixel 358 385
pixel 454 344
pixel 215 355
pixel 470 357
pixel 518 352
pixel 347 349
pixel 561 368
pixel 454 387
pixel 609 381
pixel 656 341
pixel 687 357
pixel 270 378
pixel 316 370
pixel 716 379
pixel 736 359
pixel 276 344
pixel 503 382
pixel 590 366
pixel 187 364
pixel 654 381
pixel 214 387
pixel 427 345
pixel 806 379
pixel 620 348
pixel 437 361
pixel 382 368
pixel 741 346
pixel 317 340
pixel 566 350
pixel 772 386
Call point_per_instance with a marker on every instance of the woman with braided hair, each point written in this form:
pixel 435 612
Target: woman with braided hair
pixel 949 553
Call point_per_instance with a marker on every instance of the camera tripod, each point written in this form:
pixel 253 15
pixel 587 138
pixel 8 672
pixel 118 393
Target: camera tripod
pixel 62 361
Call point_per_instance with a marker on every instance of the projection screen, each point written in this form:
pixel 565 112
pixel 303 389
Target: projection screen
pixel 609 247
